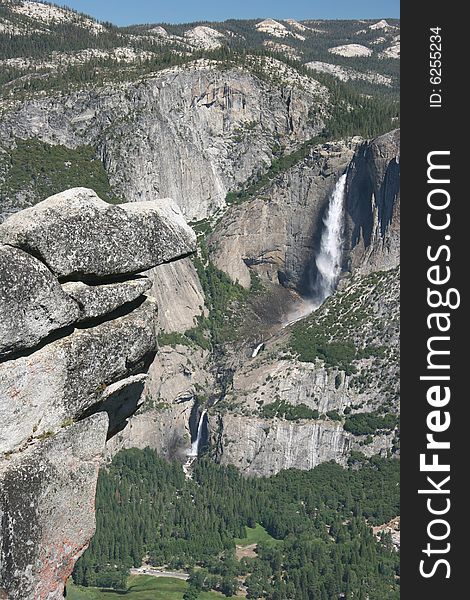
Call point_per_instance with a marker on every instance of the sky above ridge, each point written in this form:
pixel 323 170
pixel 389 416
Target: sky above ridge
pixel 127 12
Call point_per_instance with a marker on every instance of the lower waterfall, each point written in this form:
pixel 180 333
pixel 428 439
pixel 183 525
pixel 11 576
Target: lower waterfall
pixel 194 450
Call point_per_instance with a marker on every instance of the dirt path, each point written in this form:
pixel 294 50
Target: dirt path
pixel 158 573
pixel 246 551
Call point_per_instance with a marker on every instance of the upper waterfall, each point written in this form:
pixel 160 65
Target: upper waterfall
pixel 328 260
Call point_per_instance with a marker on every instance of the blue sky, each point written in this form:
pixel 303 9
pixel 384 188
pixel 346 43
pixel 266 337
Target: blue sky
pixel 126 12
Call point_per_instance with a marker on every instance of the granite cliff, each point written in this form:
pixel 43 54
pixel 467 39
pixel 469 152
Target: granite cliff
pixel 269 235
pixel 78 333
pixel 373 205
pixel 191 133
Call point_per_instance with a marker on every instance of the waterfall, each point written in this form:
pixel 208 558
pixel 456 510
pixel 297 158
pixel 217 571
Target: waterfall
pixel 328 260
pixel 257 349
pixel 194 451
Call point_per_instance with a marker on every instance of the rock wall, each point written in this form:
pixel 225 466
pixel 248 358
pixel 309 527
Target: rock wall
pixel 179 294
pixel 191 132
pixel 260 447
pixel 367 312
pixel 373 206
pixel 276 234
pixel 77 337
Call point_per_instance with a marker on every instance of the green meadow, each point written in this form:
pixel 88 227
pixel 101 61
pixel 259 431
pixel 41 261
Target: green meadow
pixel 140 587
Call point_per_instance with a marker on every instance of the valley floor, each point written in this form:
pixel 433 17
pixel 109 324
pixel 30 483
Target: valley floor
pixel 140 587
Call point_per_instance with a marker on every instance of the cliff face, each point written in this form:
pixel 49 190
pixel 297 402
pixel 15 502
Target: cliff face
pixel 262 447
pixel 179 294
pixel 276 234
pixel 189 133
pixel 373 205
pixel 78 335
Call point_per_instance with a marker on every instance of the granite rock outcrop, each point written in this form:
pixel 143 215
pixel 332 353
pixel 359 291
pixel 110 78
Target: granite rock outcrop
pixel 78 336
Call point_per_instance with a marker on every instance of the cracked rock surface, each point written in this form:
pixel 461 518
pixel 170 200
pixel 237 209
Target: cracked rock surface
pixel 73 362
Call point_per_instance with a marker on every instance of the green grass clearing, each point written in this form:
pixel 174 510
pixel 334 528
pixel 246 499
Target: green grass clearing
pixel 140 587
pixel 255 535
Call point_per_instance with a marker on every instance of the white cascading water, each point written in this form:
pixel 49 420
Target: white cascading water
pixel 328 261
pixel 257 349
pixel 194 451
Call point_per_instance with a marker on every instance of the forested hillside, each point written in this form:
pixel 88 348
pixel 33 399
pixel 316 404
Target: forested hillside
pixel 320 542
pixel 40 52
